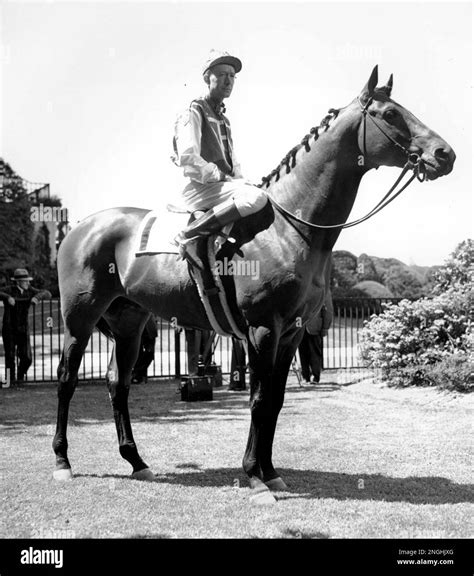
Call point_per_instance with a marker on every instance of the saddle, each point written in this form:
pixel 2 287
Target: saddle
pixel 155 236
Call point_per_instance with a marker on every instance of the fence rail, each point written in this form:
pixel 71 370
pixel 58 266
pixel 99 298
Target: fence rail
pixel 46 328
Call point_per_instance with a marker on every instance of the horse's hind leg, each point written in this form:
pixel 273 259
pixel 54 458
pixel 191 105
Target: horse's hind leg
pixel 68 368
pixel 127 327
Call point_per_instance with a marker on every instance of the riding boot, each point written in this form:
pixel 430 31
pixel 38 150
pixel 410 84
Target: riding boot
pixel 211 222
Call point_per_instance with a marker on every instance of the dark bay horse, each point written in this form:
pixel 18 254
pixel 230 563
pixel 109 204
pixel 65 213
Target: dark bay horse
pixel 317 182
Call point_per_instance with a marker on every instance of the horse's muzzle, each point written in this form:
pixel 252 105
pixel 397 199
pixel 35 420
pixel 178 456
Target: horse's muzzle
pixel 439 162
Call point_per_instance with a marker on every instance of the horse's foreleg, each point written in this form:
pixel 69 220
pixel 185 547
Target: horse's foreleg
pixel 262 351
pixel 269 372
pixel 285 354
pixel 119 374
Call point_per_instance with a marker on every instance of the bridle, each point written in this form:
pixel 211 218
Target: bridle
pixel 414 162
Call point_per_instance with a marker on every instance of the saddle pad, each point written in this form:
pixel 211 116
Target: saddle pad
pixel 157 232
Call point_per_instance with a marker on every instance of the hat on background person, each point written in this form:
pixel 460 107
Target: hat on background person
pixel 218 57
pixel 21 274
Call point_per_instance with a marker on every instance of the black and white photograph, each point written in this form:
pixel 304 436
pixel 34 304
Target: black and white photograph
pixel 236 280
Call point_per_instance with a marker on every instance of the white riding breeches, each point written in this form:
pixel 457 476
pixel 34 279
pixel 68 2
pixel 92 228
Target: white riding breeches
pixel 247 198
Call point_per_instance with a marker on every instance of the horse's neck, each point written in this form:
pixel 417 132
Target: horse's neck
pixel 323 185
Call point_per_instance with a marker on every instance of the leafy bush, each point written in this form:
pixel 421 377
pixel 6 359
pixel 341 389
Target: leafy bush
pixel 453 372
pixel 429 341
pixel 458 272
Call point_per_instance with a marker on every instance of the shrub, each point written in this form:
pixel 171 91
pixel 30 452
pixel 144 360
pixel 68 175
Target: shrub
pixel 428 342
pixel 454 372
pixel 409 336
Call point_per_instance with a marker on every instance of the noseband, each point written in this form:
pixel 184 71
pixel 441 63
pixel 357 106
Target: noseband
pixel 414 162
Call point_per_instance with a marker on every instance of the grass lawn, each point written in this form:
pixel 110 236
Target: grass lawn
pixel 361 461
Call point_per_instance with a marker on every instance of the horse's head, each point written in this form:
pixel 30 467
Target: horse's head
pixel 389 133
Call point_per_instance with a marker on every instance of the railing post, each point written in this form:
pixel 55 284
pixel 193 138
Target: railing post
pixel 177 353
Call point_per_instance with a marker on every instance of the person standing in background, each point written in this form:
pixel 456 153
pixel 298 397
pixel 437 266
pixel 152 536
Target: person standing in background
pixel 17 300
pixel 311 348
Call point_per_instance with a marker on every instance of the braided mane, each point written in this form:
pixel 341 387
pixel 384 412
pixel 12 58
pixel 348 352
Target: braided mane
pixel 290 159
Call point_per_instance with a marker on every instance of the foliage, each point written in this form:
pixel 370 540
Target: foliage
pixel 400 280
pixel 370 289
pixel 16 228
pixel 21 245
pixel 366 269
pixel 420 342
pixel 458 272
pixel 455 372
pixel 44 273
pixel 344 273
pixel 403 283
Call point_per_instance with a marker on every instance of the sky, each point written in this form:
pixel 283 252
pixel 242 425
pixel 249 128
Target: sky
pixel 89 92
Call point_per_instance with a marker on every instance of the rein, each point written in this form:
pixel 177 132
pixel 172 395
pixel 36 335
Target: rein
pixel 414 162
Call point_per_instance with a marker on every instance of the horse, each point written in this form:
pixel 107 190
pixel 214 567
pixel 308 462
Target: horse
pixel 311 192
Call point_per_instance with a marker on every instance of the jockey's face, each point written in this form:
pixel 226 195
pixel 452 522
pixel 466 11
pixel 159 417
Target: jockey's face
pixel 221 81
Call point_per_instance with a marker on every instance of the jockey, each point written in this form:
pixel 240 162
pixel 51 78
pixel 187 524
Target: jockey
pixel 204 149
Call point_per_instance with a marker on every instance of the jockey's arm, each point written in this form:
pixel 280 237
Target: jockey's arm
pixel 188 150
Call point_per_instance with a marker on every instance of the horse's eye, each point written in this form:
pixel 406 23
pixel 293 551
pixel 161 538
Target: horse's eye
pixel 390 115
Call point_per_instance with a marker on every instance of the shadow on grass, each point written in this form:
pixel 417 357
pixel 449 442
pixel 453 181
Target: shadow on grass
pixel 154 403
pixel 310 484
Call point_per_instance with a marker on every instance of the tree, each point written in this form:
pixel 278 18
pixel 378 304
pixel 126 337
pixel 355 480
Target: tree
pixel 366 269
pixel 42 257
pixel 16 228
pixel 458 270
pixel 403 283
pixel 344 273
pixel 370 289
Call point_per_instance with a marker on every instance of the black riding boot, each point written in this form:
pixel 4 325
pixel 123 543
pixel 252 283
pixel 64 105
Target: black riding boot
pixel 211 222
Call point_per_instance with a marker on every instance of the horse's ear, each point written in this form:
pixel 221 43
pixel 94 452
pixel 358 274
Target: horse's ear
pixel 388 87
pixel 369 88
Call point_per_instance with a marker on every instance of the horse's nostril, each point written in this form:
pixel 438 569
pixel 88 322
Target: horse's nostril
pixel 441 154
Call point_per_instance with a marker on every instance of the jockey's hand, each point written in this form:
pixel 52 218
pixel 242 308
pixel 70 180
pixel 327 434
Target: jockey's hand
pixel 11 301
pixel 225 177
pixel 34 300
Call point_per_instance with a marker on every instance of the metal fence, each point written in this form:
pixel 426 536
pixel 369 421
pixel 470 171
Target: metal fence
pixel 341 348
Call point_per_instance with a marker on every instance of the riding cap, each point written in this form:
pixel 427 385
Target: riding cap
pixel 21 274
pixel 217 57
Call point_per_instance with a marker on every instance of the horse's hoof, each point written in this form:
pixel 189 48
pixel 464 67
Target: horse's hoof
pixel 262 498
pixel 277 484
pixel 63 474
pixel 145 475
